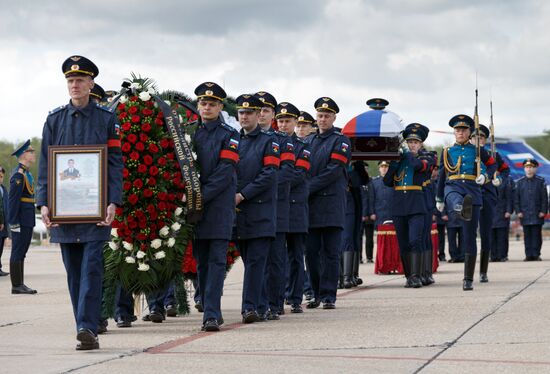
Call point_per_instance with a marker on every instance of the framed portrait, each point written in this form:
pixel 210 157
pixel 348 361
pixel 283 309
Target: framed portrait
pixel 77 183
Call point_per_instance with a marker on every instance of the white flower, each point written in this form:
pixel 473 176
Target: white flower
pixel 124 99
pixel 143 267
pixel 140 254
pixel 127 246
pixel 151 91
pixel 176 226
pixel 167 102
pixel 194 155
pixel 160 254
pixel 156 243
pixel 113 246
pixel 187 138
pixel 135 85
pixel 114 232
pixel 170 242
pixel 156 105
pixel 144 96
pixel 178 211
pixel 164 231
pixel 130 260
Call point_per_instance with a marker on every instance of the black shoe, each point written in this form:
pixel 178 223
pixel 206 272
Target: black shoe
pixel 537 258
pixel 467 285
pixel 358 281
pixel 121 322
pixel 250 316
pixel 199 307
pixel 23 290
pixel 273 316
pixel 3 273
pixel 87 339
pixel 146 318
pixel 102 327
pixel 308 296
pixel 466 213
pixel 313 304
pixel 171 310
pixel 156 317
pixel 483 278
pixel 370 261
pixel 329 305
pixel 263 317
pixel 427 280
pixel 296 308
pixel 413 282
pixel 211 324
pixel 221 321
pixel 348 282
pixel 442 258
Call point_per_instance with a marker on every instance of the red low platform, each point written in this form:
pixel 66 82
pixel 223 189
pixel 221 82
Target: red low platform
pixel 387 250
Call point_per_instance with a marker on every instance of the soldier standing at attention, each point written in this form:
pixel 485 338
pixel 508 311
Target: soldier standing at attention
pixel 459 188
pixel 217 155
pixel 501 220
pixel 82 122
pixel 531 205
pixel 3 217
pixel 256 202
pixel 21 216
pixel 330 156
pixel 380 196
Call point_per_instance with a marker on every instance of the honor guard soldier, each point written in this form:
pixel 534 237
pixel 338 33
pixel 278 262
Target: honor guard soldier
pixel 330 156
pixel 288 118
pixel 305 124
pixel 217 155
pixel 406 176
pixel 256 201
pixel 21 216
pixel 501 219
pixel 271 304
pixel 531 205
pixel 82 122
pixel 440 218
pixel 97 94
pixel 4 224
pixel 459 187
pixel 429 196
pixel 380 195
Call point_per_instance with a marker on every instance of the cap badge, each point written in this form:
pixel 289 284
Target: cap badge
pixel 300 118
pixel 326 99
pixel 246 104
pixel 209 93
pixel 75 58
pixel 283 110
pixel 209 84
pixel 325 105
pixel 75 67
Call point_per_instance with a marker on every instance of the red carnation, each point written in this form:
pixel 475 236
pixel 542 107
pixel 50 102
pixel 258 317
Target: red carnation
pixel 126 126
pixel 164 143
pixel 119 211
pixel 171 155
pixel 147 159
pixel 160 114
pixel 146 127
pixel 121 107
pixel 133 199
pixel 142 168
pixel 136 119
pixel 132 138
pixel 134 156
pixel 161 161
pixel 141 236
pixel 149 104
pixel 159 122
pixel 142 224
pixel 147 112
pixel 126 147
pixel 166 175
pixel 152 182
pixel 138 183
pixel 122 115
pixel 133 98
pixel 125 173
pixel 162 206
pixel 162 196
pixel 147 193
pixel 171 197
pixel 130 219
pixel 153 148
pixel 126 186
pixel 143 137
pixel 133 110
pixel 153 170
pixel 133 225
pixel 140 146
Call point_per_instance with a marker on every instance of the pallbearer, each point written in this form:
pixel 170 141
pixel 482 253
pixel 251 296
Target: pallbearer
pixel 429 196
pixel 330 155
pixel 459 187
pixel 406 176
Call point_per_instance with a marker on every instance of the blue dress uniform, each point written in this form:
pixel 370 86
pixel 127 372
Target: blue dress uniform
pixel 3 220
pixel 271 304
pixel 459 191
pixel 368 224
pixel 531 199
pixel 330 155
pixel 440 222
pixel 379 198
pixel 217 147
pixel 299 222
pixel 406 176
pixel 455 238
pixel 429 196
pixel 501 224
pixel 257 213
pixel 82 244
pixel 21 219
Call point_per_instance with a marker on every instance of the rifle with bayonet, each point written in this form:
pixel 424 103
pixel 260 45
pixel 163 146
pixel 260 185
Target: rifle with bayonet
pixel 492 131
pixel 478 143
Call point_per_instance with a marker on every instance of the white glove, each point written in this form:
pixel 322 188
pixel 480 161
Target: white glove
pixel 15 228
pixel 440 205
pixel 496 182
pixel 481 179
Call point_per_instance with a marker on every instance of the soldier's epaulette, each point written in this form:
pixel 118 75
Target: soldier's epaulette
pixel 227 127
pixel 280 133
pixel 541 178
pixel 337 132
pixel 56 110
pixel 522 178
pixel 267 132
pixel 300 140
pixel 108 110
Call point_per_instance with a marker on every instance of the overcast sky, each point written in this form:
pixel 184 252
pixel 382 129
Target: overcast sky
pixel 421 55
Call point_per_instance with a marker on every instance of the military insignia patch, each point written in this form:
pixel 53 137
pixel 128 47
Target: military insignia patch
pixel 275 146
pixel 325 105
pixel 283 110
pixel 75 67
pixel 18 182
pixel 233 144
pixel 209 93
pixel 209 84
pixel 345 147
pixel 246 104
pixel 117 129
pixel 326 99
pixel 306 153
pixel 290 146
pixel 300 118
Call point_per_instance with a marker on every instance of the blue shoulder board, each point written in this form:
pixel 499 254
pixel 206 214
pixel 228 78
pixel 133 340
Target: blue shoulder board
pixel 303 141
pixel 541 178
pixel 59 108
pixel 108 110
pixel 227 127
pixel 337 132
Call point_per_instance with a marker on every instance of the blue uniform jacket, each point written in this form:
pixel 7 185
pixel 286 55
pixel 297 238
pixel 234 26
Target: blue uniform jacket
pixel 406 176
pixel 330 155
pixel 284 176
pixel 457 171
pixel 68 125
pixel 428 187
pixel 257 182
pixel 217 147
pixel 299 190
pixel 504 204
pixel 531 198
pixel 380 197
pixel 21 209
pixel 4 233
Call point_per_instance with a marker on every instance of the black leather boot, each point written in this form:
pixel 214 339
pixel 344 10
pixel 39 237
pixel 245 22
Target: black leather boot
pixel 17 279
pixel 347 257
pixel 415 263
pixel 356 260
pixel 483 266
pixel 406 262
pixel 427 260
pixel 469 269
pixel 341 273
